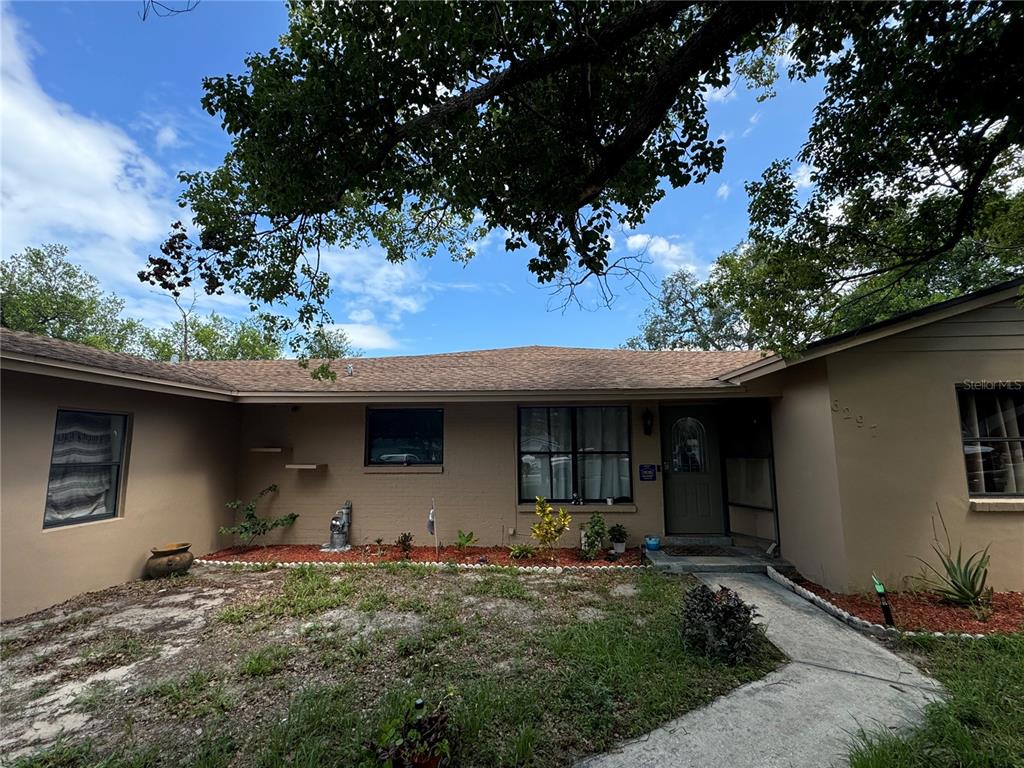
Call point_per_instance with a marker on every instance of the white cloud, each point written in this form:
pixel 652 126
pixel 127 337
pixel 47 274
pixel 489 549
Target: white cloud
pixel 667 255
pixel 753 120
pixel 720 95
pixel 361 316
pixel 368 336
pixel 166 137
pixel 72 179
pixel 723 191
pixel 802 176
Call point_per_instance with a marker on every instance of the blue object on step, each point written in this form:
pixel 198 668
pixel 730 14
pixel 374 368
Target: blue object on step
pixel 652 543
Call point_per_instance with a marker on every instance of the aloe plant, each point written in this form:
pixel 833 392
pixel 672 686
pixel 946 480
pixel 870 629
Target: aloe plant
pixel 959 581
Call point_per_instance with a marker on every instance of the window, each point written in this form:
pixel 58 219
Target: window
pixel 85 468
pixel 992 425
pixel 582 451
pixel 404 436
pixel 689 446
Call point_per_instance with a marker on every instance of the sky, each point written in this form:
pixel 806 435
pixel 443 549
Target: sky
pixel 101 110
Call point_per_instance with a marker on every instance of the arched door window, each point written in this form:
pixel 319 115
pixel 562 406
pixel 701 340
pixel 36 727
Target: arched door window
pixel 689 446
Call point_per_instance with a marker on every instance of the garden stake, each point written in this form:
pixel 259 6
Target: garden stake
pixel 884 600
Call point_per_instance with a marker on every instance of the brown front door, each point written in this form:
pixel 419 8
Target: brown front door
pixel 691 470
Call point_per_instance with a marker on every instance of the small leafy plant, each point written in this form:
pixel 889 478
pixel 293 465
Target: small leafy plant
pixel 404 544
pixel 719 624
pixel 960 582
pixel 551 526
pixel 521 551
pixel 415 736
pixel 464 540
pixel 252 525
pixel 593 537
pixel 618 534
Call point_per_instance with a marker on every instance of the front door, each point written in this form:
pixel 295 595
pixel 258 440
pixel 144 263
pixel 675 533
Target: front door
pixel 691 470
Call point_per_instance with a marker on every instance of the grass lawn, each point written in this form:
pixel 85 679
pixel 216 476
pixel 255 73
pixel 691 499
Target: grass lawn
pixel 308 667
pixel 981 725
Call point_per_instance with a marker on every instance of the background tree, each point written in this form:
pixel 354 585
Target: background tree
pixel 42 291
pixel 690 314
pixel 554 122
pixel 213 337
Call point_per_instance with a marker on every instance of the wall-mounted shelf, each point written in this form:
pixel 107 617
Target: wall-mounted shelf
pixel 266 450
pixel 305 466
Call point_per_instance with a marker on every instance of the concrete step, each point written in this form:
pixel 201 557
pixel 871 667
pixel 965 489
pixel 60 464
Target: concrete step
pixel 705 564
pixel 696 540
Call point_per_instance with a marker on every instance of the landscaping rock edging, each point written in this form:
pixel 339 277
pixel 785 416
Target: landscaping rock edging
pixel 464 566
pixel 868 627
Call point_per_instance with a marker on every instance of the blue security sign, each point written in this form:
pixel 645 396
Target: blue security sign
pixel 648 472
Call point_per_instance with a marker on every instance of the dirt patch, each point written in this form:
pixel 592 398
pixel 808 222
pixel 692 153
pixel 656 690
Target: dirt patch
pixel 387 553
pixel 926 611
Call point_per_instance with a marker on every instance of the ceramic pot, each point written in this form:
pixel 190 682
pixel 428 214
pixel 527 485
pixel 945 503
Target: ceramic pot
pixel 619 547
pixel 169 560
pixel 652 543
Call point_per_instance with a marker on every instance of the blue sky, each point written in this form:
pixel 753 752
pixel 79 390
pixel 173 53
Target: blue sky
pixel 100 112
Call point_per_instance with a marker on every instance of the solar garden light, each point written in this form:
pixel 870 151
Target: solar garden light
pixel 883 599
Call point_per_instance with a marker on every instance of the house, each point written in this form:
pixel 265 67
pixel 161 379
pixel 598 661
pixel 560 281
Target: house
pixel 840 457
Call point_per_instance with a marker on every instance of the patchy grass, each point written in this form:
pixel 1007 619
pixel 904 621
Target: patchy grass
pixel 194 695
pixel 307 668
pixel 268 660
pixel 980 724
pixel 94 697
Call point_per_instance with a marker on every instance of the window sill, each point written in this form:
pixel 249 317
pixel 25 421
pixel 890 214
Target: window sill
pixel 80 524
pixel 993 504
pixel 399 469
pixel 585 509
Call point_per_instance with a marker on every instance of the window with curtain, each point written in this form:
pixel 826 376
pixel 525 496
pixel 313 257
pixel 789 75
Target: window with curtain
pixel 992 425
pixel 85 467
pixel 583 451
pixel 404 436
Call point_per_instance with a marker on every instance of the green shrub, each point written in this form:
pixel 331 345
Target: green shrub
pixel 958 581
pixel 550 527
pixel 404 544
pixel 252 525
pixel 593 536
pixel 719 624
pixel 521 551
pixel 618 534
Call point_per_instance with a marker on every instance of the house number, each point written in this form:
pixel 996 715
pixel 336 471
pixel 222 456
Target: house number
pixel 848 415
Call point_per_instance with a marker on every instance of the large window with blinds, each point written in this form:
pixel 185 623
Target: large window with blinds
pixel 85 467
pixel 583 451
pixel 992 427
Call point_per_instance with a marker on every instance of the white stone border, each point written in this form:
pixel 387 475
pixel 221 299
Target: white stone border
pixel 855 621
pixel 555 569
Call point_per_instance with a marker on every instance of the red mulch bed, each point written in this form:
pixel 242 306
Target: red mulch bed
pixel 389 553
pixel 926 611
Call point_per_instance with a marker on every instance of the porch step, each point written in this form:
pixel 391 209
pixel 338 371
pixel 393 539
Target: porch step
pixel 706 564
pixel 696 540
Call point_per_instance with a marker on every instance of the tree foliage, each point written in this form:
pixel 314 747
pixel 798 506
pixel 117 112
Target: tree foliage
pixel 213 337
pixel 734 308
pixel 420 124
pixel 43 292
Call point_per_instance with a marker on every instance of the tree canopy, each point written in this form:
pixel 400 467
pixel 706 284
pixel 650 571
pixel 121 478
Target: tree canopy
pixel 420 125
pixel 42 292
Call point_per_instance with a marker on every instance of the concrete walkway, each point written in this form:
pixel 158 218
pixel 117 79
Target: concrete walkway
pixel 801 716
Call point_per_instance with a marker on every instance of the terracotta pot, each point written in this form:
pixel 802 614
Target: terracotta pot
pixel 169 560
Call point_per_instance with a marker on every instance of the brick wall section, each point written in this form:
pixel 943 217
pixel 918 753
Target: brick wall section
pixel 477 489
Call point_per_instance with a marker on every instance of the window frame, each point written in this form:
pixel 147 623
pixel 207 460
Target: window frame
pixel 574 452
pixel 121 465
pixel 367 462
pixel 1017 387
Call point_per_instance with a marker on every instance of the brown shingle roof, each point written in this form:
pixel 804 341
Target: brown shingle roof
pixel 44 348
pixel 518 369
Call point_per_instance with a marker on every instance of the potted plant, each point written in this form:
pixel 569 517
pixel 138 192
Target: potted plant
pixel 618 534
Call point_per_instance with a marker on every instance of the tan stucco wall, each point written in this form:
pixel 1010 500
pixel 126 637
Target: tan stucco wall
pixel 897 435
pixel 811 533
pixel 475 491
pixel 180 472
